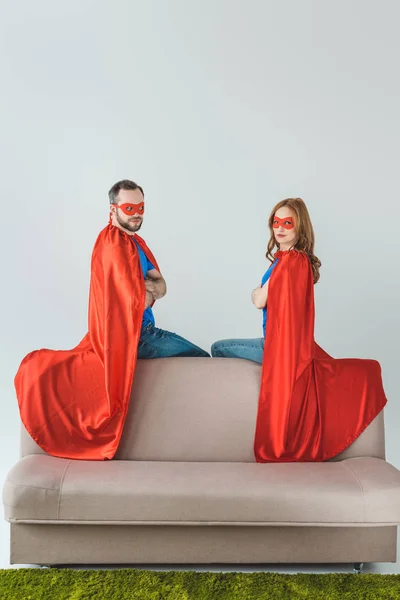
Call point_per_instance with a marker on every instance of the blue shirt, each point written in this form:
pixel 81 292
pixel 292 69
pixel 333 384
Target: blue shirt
pixel 148 316
pixel 265 278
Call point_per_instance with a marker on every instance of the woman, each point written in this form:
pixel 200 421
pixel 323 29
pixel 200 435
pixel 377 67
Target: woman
pixel 311 406
pixel 290 228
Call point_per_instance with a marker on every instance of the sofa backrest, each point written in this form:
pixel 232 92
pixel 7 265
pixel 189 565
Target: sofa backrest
pixel 201 410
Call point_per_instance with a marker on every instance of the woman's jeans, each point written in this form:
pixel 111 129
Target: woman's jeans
pixel 159 343
pixel 250 349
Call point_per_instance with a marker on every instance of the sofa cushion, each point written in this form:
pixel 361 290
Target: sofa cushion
pixel 355 491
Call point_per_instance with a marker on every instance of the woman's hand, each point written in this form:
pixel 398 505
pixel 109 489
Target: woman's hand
pixel 259 295
pixel 254 294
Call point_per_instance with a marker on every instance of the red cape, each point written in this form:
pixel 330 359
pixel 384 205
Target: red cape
pixel 74 402
pixel 311 406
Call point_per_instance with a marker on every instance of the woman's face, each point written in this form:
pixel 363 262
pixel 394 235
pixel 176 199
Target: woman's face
pixel 284 228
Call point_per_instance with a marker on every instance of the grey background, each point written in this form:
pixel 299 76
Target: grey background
pixel 219 109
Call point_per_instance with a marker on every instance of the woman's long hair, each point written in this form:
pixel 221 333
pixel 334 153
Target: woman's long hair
pixel 304 231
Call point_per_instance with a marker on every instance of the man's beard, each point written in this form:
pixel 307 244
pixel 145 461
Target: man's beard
pixel 129 226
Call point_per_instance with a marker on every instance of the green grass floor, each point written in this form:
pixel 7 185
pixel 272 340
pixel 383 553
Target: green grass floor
pixel 121 584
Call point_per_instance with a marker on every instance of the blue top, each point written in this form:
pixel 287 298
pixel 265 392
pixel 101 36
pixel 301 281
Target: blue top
pixel 265 278
pixel 148 316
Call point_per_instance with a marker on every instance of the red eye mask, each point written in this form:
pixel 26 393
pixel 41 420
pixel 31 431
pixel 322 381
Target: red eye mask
pixel 286 223
pixel 132 209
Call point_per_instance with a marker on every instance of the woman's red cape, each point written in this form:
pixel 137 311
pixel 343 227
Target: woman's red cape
pixel 311 406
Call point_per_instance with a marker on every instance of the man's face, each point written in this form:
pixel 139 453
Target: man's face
pixel 130 216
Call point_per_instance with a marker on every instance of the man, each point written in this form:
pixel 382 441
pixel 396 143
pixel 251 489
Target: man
pixel 74 402
pixel 154 342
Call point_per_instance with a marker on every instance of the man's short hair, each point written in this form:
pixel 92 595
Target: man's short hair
pixel 125 184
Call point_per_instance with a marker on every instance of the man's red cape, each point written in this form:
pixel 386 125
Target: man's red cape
pixel 74 402
pixel 311 406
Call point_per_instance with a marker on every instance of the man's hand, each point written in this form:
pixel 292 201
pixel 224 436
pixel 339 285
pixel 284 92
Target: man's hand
pixel 156 287
pixel 155 284
pixel 150 285
pixel 149 300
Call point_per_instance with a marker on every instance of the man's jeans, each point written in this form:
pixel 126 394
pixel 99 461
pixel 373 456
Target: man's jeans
pixel 250 349
pixel 158 343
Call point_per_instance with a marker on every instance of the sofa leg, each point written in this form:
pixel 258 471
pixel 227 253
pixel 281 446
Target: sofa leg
pixel 357 568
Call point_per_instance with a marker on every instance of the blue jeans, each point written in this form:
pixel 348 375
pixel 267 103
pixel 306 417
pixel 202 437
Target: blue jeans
pixel 158 343
pixel 250 349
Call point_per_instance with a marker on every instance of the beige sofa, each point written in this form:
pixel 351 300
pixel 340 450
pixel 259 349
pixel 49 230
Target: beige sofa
pixel 184 487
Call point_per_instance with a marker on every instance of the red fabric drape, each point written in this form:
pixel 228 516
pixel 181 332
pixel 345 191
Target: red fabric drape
pixel 74 402
pixel 311 406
